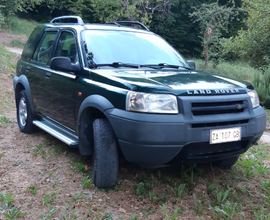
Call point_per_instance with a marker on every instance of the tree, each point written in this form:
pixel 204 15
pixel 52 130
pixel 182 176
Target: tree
pixel 139 10
pixel 213 19
pixel 9 7
pixel 253 44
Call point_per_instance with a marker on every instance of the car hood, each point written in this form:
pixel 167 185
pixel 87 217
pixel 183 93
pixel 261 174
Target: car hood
pixel 178 82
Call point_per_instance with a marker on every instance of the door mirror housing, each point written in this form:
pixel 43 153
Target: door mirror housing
pixel 64 64
pixel 192 64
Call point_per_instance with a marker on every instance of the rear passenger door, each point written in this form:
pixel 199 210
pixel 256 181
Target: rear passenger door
pixel 64 84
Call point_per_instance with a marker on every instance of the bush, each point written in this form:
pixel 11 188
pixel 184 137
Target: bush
pixel 261 83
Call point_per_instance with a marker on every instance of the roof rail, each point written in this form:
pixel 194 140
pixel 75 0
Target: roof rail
pixel 129 24
pixel 68 19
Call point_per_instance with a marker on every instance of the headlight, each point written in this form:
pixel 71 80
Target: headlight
pixel 254 98
pixel 152 103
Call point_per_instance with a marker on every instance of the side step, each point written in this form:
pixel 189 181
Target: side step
pixel 60 133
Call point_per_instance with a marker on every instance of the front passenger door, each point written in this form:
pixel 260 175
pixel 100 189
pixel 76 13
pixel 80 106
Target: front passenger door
pixel 38 73
pixel 64 83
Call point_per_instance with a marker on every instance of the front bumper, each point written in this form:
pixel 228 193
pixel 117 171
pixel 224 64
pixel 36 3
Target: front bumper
pixel 155 139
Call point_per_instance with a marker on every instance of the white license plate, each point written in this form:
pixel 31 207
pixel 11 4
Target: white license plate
pixel 225 135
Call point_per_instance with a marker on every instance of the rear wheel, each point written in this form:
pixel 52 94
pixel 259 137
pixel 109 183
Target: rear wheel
pixel 226 163
pixel 25 116
pixel 105 160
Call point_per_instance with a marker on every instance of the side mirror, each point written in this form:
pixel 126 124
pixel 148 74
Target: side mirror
pixel 192 64
pixel 64 64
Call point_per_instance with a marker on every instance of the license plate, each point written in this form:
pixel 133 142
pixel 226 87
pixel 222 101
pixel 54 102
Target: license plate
pixel 225 135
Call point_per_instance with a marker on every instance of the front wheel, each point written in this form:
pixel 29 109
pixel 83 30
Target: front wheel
pixel 105 160
pixel 226 163
pixel 25 116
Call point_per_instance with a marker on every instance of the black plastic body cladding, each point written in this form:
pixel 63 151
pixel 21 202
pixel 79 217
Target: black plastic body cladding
pixel 157 139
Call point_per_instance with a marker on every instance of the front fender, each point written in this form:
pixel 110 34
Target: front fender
pixel 95 101
pixel 91 108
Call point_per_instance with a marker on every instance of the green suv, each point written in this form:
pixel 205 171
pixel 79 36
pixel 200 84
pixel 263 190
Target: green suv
pixel 120 91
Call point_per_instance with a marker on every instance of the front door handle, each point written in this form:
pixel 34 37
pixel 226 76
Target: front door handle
pixel 48 75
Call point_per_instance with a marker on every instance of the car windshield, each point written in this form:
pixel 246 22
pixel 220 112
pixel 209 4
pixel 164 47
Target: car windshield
pixel 107 47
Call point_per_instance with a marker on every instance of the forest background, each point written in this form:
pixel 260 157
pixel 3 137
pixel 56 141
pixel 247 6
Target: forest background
pixel 239 29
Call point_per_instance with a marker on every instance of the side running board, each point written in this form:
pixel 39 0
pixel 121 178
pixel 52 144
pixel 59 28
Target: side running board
pixel 60 133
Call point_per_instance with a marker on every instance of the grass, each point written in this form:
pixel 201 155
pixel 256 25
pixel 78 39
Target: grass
pixel 8 63
pixel 17 43
pixel 236 70
pixel 21 26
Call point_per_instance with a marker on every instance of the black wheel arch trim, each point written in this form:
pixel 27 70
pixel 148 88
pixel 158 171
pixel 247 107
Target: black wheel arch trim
pixel 99 103
pixel 22 79
pixel 95 101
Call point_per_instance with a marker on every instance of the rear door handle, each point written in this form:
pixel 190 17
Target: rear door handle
pixel 48 75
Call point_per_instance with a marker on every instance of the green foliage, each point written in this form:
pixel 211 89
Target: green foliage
pixel 49 198
pixel 6 199
pixel 9 7
pixel 17 43
pixel 86 182
pixel 222 195
pixel 236 70
pixel 108 216
pixel 229 210
pixel 260 214
pixel 4 119
pixel 7 65
pixel 213 19
pixel 79 168
pixel 32 189
pixel 2 154
pixel 10 211
pixel 170 19
pixel 253 43
pixel 262 86
pixel 7 10
pixel 21 26
pixel 180 189
pixel 50 215
pixel 165 212
pixel 78 197
pixel 13 213
pixel 198 205
pixel 141 191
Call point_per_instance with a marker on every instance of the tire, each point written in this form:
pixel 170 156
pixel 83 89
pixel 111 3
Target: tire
pixel 105 160
pixel 25 116
pixel 226 163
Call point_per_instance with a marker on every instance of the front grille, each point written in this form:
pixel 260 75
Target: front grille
pixel 213 108
pixel 216 124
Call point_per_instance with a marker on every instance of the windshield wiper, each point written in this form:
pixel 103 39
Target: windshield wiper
pixel 116 65
pixel 164 65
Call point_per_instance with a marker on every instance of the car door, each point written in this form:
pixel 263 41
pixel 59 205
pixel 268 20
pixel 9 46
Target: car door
pixel 63 84
pixel 38 71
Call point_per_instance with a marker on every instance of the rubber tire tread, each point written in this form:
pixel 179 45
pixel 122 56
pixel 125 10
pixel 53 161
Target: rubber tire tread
pixel 29 127
pixel 105 160
pixel 226 163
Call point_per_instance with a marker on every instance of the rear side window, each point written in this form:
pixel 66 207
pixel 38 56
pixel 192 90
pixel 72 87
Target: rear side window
pixel 44 50
pixel 66 47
